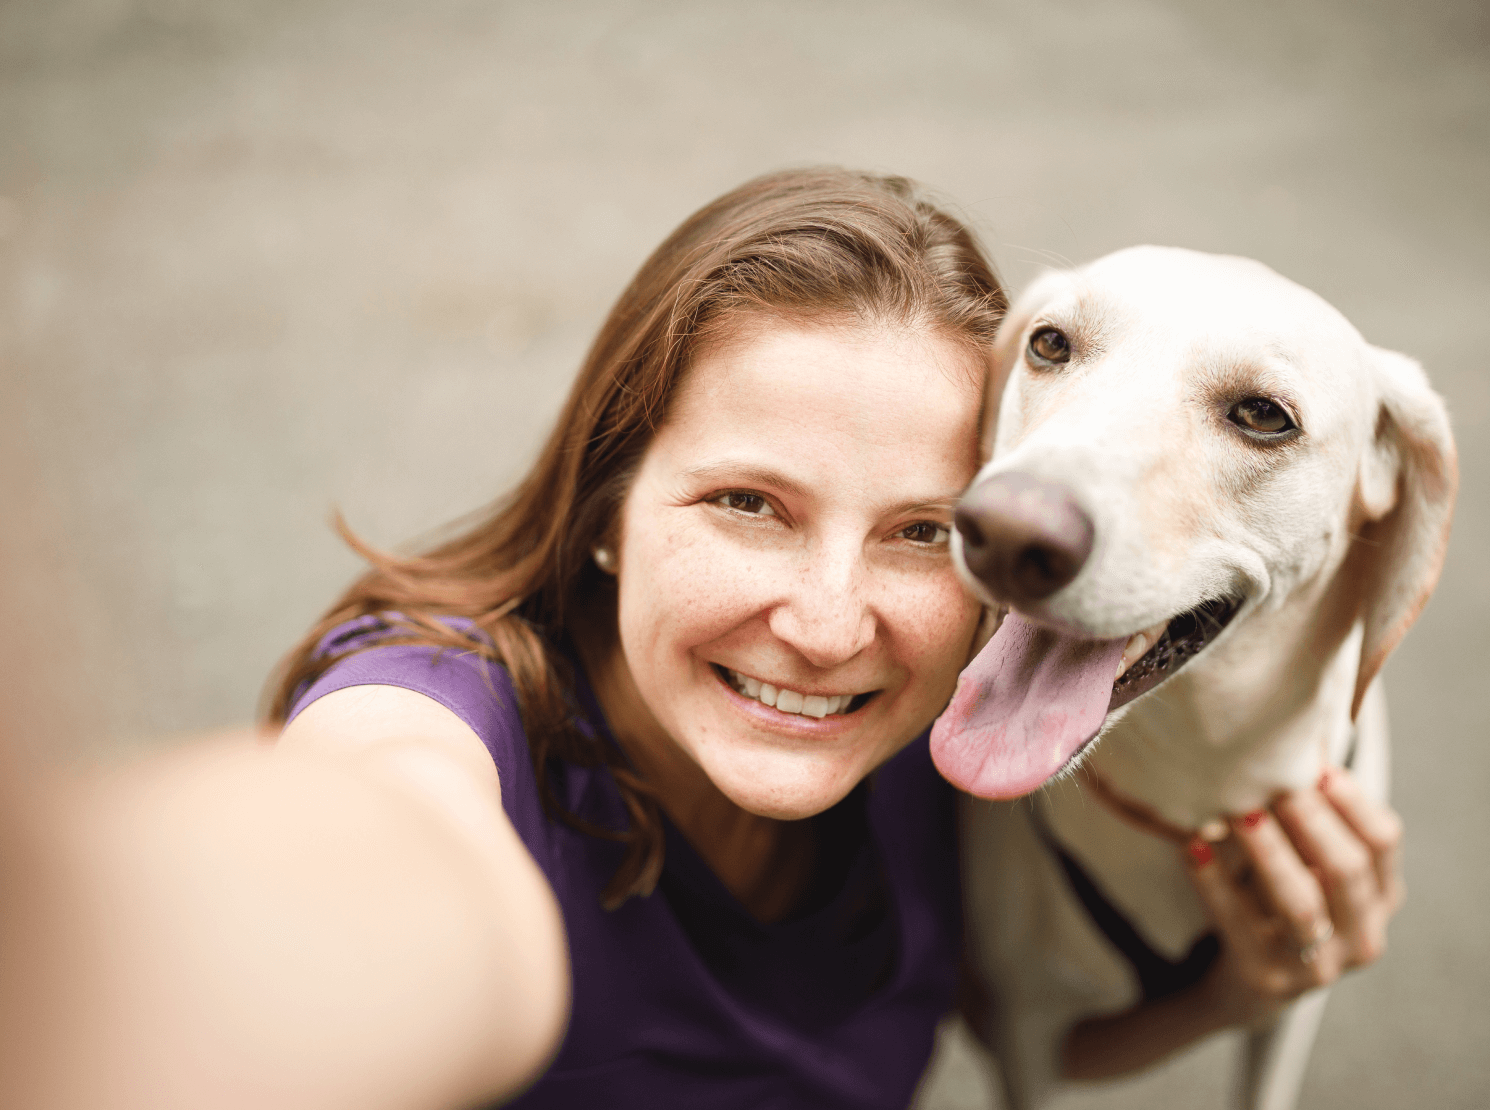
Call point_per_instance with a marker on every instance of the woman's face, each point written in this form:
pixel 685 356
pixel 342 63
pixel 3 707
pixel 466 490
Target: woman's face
pixel 788 528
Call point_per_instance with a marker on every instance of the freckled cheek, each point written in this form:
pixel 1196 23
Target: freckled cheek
pixel 683 587
pixel 932 624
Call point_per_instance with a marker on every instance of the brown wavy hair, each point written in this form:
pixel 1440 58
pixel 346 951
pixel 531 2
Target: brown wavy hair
pixel 800 245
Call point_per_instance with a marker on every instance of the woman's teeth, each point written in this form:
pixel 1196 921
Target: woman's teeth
pixel 788 701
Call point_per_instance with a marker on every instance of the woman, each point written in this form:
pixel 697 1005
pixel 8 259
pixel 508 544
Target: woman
pixel 678 683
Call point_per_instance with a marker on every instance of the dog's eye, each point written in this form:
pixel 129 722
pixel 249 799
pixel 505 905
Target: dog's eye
pixel 1261 416
pixel 1050 345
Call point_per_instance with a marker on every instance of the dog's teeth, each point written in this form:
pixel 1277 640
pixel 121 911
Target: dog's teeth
pixel 1138 645
pixel 1132 653
pixel 768 693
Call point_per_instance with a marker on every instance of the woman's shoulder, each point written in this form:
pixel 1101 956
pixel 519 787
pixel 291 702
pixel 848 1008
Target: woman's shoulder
pixel 463 677
pixel 373 651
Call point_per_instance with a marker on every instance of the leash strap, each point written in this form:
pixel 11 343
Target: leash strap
pixel 1158 977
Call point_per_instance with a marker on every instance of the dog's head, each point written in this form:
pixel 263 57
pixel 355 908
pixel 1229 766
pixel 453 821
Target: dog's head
pixel 1178 440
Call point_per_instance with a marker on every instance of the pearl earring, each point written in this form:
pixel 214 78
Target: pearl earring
pixel 605 559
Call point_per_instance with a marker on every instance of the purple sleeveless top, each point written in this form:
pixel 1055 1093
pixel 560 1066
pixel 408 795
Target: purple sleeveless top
pixel 682 998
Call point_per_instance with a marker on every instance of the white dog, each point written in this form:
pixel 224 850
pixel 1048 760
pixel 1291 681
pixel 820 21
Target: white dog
pixel 1197 464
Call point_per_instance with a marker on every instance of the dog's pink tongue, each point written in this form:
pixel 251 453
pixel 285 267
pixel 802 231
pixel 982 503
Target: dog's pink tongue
pixel 1023 707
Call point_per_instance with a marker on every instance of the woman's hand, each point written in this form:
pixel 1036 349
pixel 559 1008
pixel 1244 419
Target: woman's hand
pixel 1299 894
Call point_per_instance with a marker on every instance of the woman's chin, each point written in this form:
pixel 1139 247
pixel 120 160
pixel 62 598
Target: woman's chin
pixel 789 791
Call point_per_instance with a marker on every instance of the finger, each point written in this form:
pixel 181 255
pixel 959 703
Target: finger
pixel 1250 937
pixel 1358 904
pixel 1283 878
pixel 1244 925
pixel 1376 823
pixel 1232 857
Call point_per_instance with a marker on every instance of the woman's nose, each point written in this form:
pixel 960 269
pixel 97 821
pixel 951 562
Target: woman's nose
pixel 826 615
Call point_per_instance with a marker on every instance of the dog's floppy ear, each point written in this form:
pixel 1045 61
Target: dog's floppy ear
pixel 1407 483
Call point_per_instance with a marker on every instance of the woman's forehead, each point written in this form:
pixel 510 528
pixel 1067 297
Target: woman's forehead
pixel 849 359
pixel 821 398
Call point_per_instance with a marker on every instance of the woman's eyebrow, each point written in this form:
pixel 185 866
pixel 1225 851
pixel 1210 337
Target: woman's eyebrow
pixel 746 474
pixel 752 474
pixel 935 505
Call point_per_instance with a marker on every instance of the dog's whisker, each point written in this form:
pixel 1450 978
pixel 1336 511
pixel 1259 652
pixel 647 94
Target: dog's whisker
pixel 1041 254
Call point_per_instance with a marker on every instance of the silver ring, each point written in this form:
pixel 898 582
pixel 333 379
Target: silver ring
pixel 1308 953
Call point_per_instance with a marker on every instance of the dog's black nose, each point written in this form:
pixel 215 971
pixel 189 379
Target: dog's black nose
pixel 1023 537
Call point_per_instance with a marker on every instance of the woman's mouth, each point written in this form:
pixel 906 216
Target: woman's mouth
pixel 791 701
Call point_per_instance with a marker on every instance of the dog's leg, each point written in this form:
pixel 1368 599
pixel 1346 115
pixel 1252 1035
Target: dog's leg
pixel 1274 1059
pixel 1372 766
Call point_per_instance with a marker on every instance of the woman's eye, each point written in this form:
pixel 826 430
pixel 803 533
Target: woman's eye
pixel 1260 416
pixel 1050 345
pixel 752 503
pixel 927 532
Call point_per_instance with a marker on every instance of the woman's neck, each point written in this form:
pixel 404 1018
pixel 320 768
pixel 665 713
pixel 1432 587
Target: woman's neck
pixel 765 863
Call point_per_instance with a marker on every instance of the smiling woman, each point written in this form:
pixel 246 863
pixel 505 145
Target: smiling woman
pixel 788 618
pixel 826 578
pixel 673 659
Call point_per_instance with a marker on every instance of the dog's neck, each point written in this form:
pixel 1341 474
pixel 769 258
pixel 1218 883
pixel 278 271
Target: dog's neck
pixel 1260 713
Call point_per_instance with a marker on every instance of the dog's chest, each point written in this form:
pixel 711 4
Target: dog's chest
pixel 1140 874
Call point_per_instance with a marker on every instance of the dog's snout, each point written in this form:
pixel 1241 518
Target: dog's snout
pixel 1023 537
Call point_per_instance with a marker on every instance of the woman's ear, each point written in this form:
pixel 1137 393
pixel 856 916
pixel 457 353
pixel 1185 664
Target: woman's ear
pixel 1408 479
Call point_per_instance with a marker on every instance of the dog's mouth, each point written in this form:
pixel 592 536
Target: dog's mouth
pixel 1185 637
pixel 1034 697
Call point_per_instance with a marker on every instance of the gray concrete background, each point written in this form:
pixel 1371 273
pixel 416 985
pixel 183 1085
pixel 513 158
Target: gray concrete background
pixel 259 259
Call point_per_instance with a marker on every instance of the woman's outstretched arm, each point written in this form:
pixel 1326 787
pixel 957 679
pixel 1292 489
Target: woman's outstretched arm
pixel 345 920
